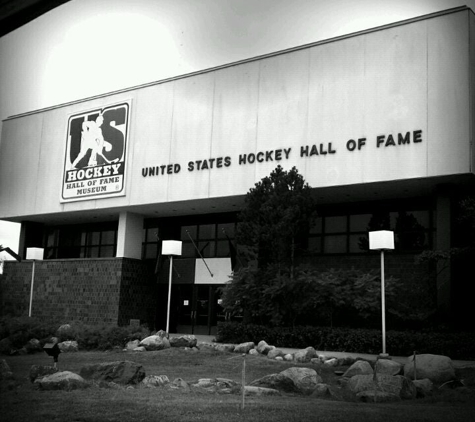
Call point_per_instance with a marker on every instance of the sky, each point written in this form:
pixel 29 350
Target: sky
pixel 90 47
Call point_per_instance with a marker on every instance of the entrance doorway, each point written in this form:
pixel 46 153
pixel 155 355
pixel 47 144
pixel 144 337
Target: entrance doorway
pixel 198 308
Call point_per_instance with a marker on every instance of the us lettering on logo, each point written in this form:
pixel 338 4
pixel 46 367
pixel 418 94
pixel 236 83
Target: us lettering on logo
pixel 95 159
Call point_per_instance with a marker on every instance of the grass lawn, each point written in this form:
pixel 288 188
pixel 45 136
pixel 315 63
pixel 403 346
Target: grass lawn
pixel 20 401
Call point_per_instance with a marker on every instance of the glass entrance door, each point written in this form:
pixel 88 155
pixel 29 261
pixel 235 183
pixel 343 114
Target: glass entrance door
pixel 198 309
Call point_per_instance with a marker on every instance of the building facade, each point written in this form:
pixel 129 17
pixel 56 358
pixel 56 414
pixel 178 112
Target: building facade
pixel 380 124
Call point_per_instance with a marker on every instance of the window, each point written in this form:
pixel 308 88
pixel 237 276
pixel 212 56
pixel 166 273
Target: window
pixel 348 233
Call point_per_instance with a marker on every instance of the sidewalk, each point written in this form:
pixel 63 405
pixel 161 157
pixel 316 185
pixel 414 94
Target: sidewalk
pixel 400 359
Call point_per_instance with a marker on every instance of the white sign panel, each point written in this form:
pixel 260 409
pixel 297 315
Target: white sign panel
pixel 95 161
pixel 219 267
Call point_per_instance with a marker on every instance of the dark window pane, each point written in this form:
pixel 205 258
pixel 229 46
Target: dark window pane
pixel 228 228
pixel 108 237
pixel 317 226
pixel 335 244
pixel 359 243
pixel 335 224
pixel 187 250
pixel 107 251
pixel 207 231
pixel 315 244
pixel 151 250
pixel 191 230
pixel 359 222
pixel 222 248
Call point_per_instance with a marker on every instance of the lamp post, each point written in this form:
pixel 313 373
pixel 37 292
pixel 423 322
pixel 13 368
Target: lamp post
pixel 170 248
pixel 33 254
pixel 382 240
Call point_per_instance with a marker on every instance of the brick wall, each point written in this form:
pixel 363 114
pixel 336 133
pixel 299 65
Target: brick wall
pixel 94 291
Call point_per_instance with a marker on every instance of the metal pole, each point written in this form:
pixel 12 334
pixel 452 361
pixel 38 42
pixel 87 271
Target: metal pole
pixel 383 304
pixel 32 284
pixel 169 291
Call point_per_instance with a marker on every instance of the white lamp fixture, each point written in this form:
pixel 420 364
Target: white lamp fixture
pixel 382 240
pixel 35 254
pixel 170 248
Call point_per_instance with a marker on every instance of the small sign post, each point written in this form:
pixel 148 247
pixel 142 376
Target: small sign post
pixel 382 240
pixel 34 254
pixel 170 248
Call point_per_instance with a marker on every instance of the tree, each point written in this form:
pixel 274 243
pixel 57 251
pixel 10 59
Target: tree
pixel 272 229
pixel 276 217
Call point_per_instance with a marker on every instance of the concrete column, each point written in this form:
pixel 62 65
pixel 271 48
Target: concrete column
pixel 442 243
pixel 129 236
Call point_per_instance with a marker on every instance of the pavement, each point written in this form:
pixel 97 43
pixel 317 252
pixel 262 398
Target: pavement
pixel 400 359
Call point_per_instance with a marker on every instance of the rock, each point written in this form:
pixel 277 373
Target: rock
pixel 225 383
pixel 179 384
pixel 279 358
pixel 305 355
pixel 5 371
pixel 321 390
pixel 244 347
pixel 140 349
pixel 424 387
pixel 152 381
pixel 273 353
pixel 360 367
pixel 225 347
pixel 277 382
pixel 387 366
pixel 39 371
pixel 263 348
pixel 65 331
pixel 131 345
pixel 183 341
pixel 253 352
pixel 397 385
pixel 376 396
pixel 347 361
pixel 305 379
pixel 250 390
pixel 65 380
pixel 120 372
pixel 155 342
pixel 68 346
pixel 161 334
pixel 331 362
pixel 437 368
pixel 33 346
pixel 205 383
pixel 288 357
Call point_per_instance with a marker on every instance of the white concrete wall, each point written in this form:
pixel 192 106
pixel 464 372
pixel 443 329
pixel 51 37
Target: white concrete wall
pixel 413 77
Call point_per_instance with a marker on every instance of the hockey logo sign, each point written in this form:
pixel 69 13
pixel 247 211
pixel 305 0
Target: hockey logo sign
pixel 94 166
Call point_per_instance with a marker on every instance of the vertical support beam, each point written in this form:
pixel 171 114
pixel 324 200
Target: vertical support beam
pixel 443 223
pixel 129 236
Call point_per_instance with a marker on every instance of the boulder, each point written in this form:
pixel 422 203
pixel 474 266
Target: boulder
pixel 437 368
pixel 120 372
pixel 131 345
pixel 140 349
pixel 331 362
pixel 5 371
pixel 68 346
pixel 64 331
pixel 305 379
pixel 263 348
pixel 39 371
pixel 179 384
pixel 397 385
pixel 288 357
pixel 253 352
pixel 183 341
pixel 424 387
pixel 151 381
pixel 277 382
pixel 360 367
pixel 65 380
pixel 387 366
pixel 251 390
pixel 273 353
pixel 33 346
pixel 244 347
pixel 321 390
pixel 224 347
pixel 155 342
pixel 305 355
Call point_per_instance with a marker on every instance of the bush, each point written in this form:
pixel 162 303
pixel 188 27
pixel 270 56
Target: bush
pixel 399 343
pixel 19 330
